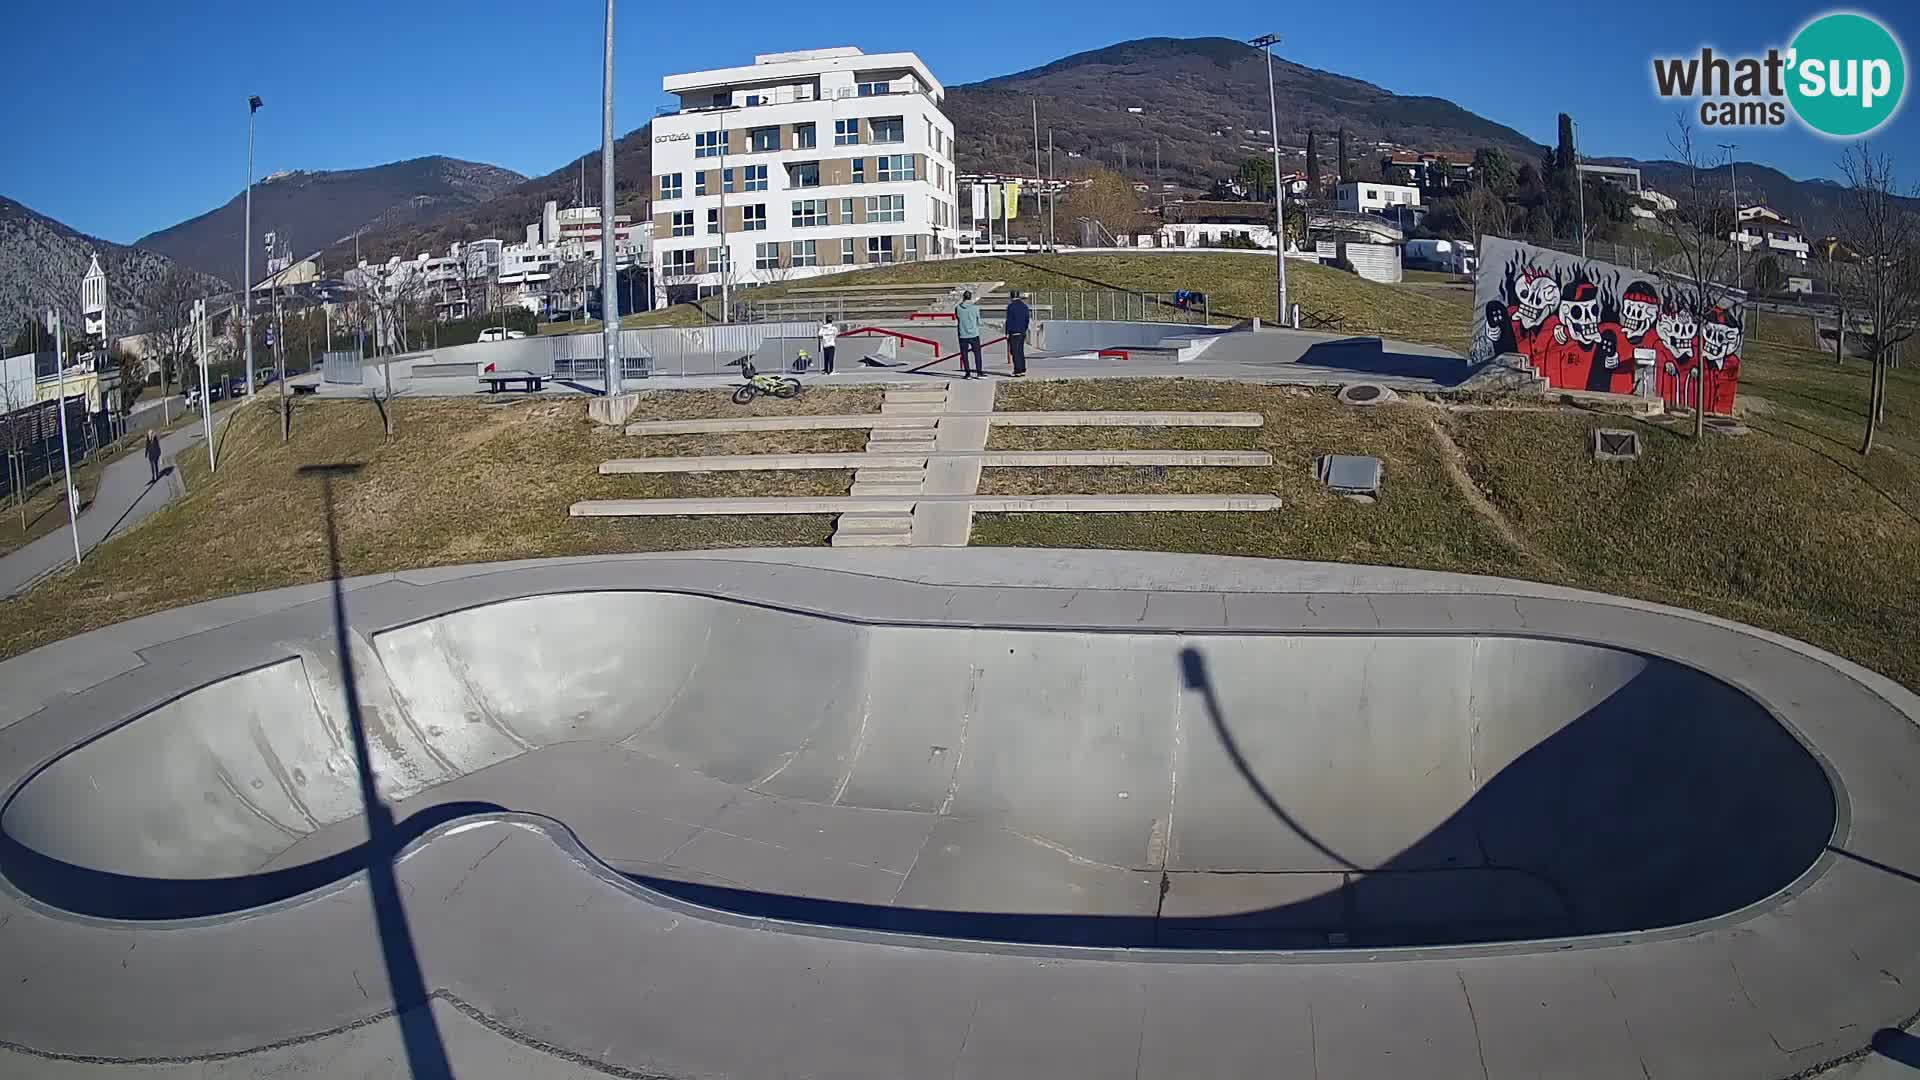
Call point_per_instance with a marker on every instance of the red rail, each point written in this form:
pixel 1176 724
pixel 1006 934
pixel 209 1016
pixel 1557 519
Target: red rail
pixel 949 356
pixel 928 342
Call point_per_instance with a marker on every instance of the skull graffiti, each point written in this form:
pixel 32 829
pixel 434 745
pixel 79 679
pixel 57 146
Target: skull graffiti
pixel 1719 337
pixel 1676 329
pixel 1538 295
pixel 1580 313
pixel 1639 307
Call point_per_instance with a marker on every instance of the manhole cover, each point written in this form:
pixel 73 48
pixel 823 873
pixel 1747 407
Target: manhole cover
pixel 1726 425
pixel 1363 393
pixel 1613 444
pixel 1366 394
pixel 1349 474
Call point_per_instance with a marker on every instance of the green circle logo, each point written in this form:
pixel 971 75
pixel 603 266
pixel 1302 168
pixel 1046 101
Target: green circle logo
pixel 1848 74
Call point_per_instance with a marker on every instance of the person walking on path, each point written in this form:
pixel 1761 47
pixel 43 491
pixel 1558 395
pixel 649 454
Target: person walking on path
pixel 1019 315
pixel 153 457
pixel 966 317
pixel 828 334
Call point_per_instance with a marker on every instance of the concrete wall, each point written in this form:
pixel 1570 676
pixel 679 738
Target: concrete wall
pixel 1375 262
pixel 1085 335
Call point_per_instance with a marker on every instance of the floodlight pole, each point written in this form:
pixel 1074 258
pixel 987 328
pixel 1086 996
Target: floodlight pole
pixel 1267 42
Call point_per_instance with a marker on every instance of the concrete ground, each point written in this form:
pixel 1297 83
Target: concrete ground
pixel 951 812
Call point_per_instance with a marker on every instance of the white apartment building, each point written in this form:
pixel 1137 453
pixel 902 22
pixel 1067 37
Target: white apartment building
pixel 1369 198
pixel 1764 226
pixel 823 159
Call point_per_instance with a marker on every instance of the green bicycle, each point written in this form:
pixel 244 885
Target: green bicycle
pixel 756 384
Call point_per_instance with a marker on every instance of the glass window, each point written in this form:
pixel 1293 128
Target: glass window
pixel 713 220
pixel 846 211
pixel 670 186
pixel 846 133
pixel 896 167
pixel 754 218
pixel 766 256
pixel 755 177
pixel 756 99
pixel 804 253
pixel 717 259
pixel 872 89
pixel 809 213
pixel 764 140
pixel 700 182
pixel 726 181
pixel 846 250
pixel 859 170
pixel 707 144
pixel 883 208
pixel 803 174
pixel 803 137
pixel 879 249
pixel 677 262
pixel 913 249
pixel 683 223
pixel 888 129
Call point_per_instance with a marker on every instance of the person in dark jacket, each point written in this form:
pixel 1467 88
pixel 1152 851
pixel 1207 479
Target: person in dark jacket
pixel 1019 315
pixel 153 457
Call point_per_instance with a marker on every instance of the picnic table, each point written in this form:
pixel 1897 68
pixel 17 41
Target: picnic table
pixel 498 381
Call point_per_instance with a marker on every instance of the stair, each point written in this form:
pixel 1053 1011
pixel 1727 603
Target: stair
pixel 873 530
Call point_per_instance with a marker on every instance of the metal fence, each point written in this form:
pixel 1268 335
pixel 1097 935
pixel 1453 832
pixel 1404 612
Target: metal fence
pixel 30 441
pixel 1109 305
pixel 684 350
pixel 342 367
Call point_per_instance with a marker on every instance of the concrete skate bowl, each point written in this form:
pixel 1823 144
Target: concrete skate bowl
pixel 1231 791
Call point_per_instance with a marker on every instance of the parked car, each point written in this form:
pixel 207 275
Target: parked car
pixel 501 333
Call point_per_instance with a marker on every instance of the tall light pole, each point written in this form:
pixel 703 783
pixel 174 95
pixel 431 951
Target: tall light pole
pixel 246 241
pixel 609 276
pixel 726 257
pixel 1267 42
pixel 66 455
pixel 1580 182
pixel 1739 245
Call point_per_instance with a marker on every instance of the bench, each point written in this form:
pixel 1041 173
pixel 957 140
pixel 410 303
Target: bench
pixel 498 381
pixel 305 388
pixel 1119 354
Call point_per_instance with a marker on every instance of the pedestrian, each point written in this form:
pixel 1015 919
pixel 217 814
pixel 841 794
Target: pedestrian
pixel 153 457
pixel 1019 316
pixel 828 332
pixel 966 318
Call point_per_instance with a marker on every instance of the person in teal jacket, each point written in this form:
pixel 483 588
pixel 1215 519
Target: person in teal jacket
pixel 966 316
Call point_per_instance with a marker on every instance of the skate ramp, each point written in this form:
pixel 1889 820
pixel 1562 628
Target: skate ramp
pixel 1230 791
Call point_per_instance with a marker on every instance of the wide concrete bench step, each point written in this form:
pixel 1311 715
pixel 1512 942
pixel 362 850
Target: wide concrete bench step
pixel 896 487
pixel 1016 459
pixel 736 425
pixel 1123 419
pixel 913 408
pixel 874 524
pixel 890 476
pixel 932 396
pixel 759 462
pixel 889 461
pixel 895 422
pixel 899 504
pixel 867 540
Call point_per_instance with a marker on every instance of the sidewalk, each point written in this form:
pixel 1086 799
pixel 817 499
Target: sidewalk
pixel 123 498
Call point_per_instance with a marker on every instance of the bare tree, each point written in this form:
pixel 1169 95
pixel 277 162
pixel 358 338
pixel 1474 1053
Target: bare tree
pixel 1883 275
pixel 571 278
pixel 1109 199
pixel 16 436
pixel 1701 228
pixel 1481 212
pixel 168 326
pixel 387 296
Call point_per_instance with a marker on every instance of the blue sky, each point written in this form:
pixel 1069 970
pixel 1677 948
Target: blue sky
pixel 154 130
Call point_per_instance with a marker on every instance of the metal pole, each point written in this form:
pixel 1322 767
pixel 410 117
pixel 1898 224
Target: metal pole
pixel 609 283
pixel 206 408
pixel 726 257
pixel 1053 197
pixel 66 456
pixel 1267 42
pixel 246 241
pixel 1036 161
pixel 1739 245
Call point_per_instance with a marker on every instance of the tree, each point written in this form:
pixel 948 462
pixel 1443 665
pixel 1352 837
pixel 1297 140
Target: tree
pixel 1108 199
pixel 28 339
pixel 1493 169
pixel 1478 212
pixel 390 296
pixel 1883 277
pixel 1702 240
pixel 168 325
pixel 1256 175
pixel 1767 275
pixel 570 280
pixel 16 435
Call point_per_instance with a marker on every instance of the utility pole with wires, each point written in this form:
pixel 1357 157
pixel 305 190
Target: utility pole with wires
pixel 1267 42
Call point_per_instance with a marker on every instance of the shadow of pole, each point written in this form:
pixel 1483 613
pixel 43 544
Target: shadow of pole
pixel 1896 1045
pixel 1193 670
pixel 426 1052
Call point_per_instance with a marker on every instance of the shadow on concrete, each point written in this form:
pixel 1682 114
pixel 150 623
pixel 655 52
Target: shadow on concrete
pixel 1370 356
pixel 1896 1045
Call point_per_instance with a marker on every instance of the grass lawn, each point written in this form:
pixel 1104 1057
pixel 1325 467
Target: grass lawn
pixel 46 507
pixel 1237 286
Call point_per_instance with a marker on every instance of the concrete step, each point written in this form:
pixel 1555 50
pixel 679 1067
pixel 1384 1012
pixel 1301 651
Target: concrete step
pixel 874 524
pixel 737 425
pixel 914 435
pixel 759 462
pixel 913 408
pixel 921 444
pixel 870 540
pixel 917 397
pixel 860 490
pixel 904 504
pixel 889 476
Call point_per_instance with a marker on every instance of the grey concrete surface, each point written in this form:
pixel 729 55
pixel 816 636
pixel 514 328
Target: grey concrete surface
pixel 694 815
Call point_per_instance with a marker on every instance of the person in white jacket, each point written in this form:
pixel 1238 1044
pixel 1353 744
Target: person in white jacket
pixel 828 332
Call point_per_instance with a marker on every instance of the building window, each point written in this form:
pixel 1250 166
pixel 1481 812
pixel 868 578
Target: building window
pixel 888 129
pixel 879 249
pixel 896 167
pixel 718 260
pixel 713 219
pixel 756 99
pixel 804 253
pixel 708 144
pixel 846 133
pixel 874 89
pixel 670 185
pixel 803 137
pixel 764 140
pixel 932 143
pixel 803 174
pixel 846 250
pixel 846 211
pixel 913 249
pixel 683 223
pixel 859 170
pixel 754 177
pixel 884 208
pixel 726 181
pixel 677 262
pixel 809 213
pixel 766 256
pixel 700 182
pixel 753 218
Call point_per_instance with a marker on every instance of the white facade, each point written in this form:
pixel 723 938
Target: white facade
pixel 1761 227
pixel 824 159
pixel 1362 197
pixel 93 300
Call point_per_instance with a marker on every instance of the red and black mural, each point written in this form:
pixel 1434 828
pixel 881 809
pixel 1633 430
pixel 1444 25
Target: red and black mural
pixel 1589 325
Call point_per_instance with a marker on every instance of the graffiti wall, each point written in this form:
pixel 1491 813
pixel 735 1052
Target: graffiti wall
pixel 1590 325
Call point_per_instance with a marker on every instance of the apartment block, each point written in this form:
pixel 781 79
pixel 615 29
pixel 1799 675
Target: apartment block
pixel 799 164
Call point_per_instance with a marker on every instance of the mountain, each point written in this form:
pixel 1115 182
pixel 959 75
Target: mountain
pixel 1203 100
pixel 1812 204
pixel 42 262
pixel 312 210
pixel 508 212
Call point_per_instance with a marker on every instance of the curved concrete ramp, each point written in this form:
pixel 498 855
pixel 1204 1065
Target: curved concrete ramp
pixel 1199 790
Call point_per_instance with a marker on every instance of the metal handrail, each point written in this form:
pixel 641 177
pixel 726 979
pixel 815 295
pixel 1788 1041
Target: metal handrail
pixel 934 345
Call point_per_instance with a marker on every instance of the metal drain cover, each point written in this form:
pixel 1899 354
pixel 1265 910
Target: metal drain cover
pixel 1614 444
pixel 1349 474
pixel 1366 394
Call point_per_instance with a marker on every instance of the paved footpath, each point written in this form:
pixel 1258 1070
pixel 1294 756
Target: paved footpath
pixel 123 498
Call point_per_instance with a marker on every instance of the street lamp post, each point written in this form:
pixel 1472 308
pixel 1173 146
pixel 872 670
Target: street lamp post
pixel 1267 42
pixel 1739 245
pixel 609 275
pixel 66 455
pixel 246 241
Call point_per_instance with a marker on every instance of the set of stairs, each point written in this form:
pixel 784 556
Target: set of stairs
pixel 921 406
